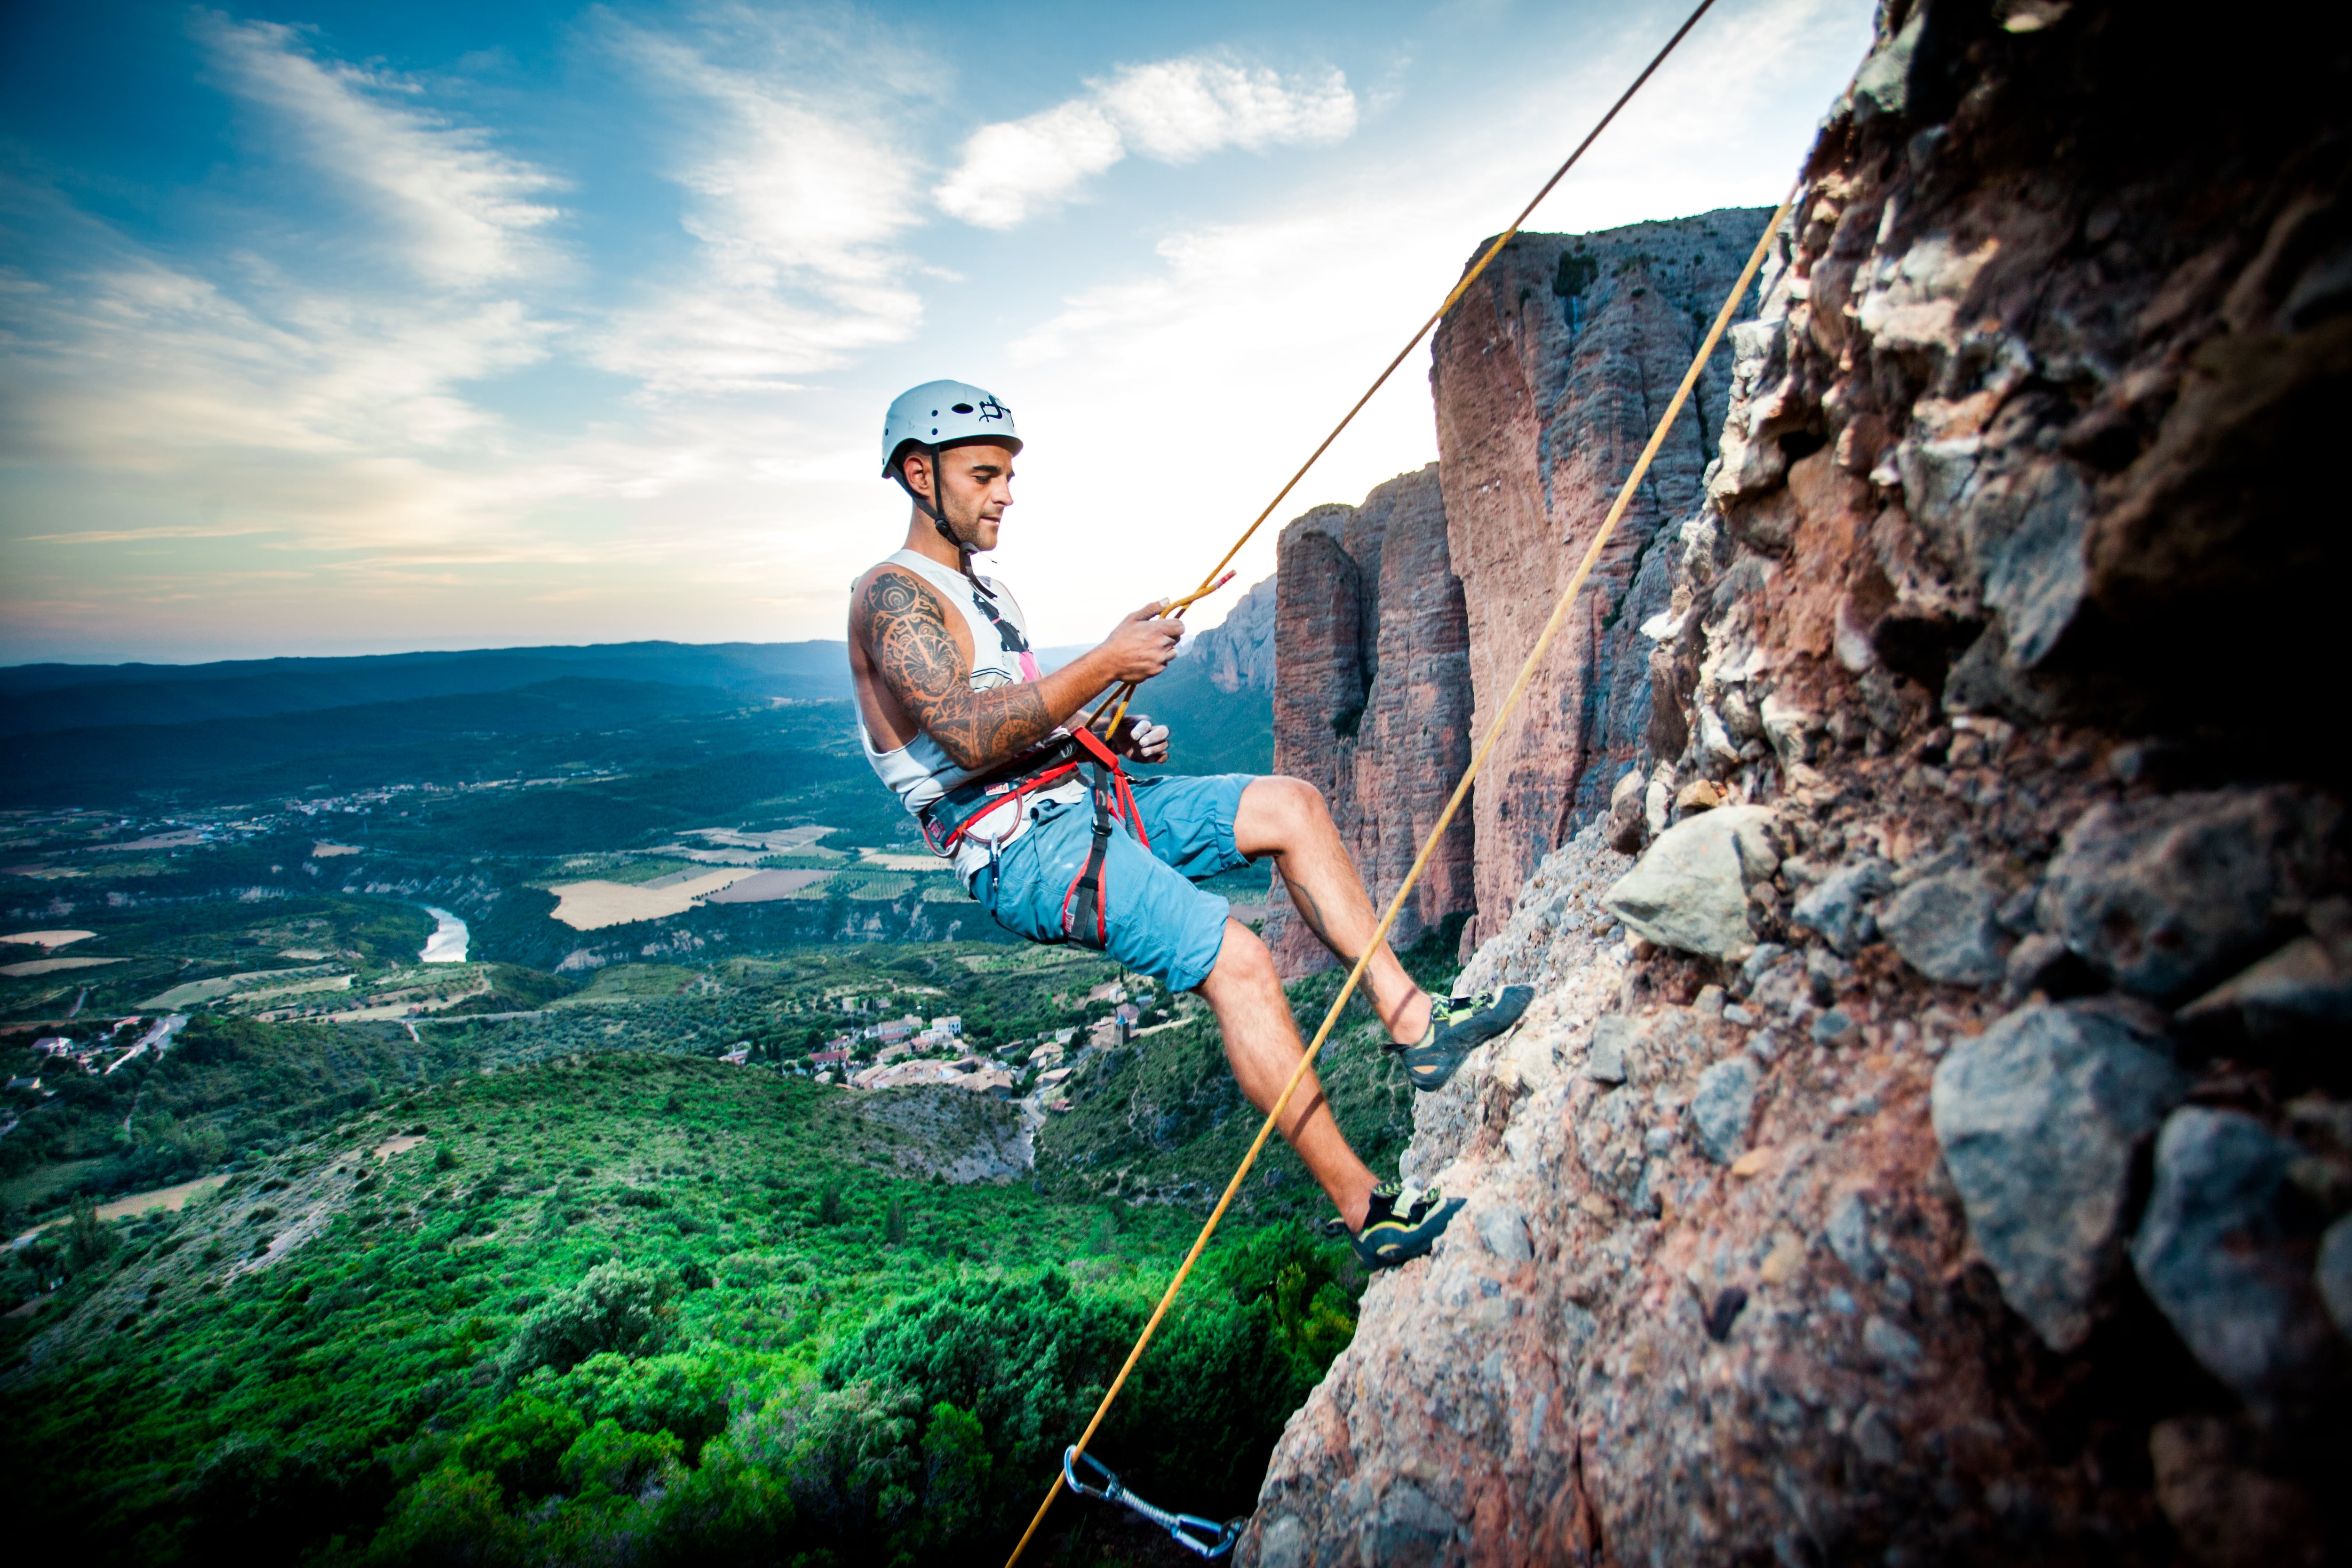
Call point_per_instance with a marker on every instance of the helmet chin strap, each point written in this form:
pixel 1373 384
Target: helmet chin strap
pixel 937 512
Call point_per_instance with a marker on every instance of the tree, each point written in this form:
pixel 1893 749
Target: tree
pixel 894 1223
pixel 87 1241
pixel 615 1308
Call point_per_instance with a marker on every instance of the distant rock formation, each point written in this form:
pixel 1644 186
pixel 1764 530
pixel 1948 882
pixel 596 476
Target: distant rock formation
pixel 1936 1145
pixel 1239 649
pixel 1374 702
pixel 1548 377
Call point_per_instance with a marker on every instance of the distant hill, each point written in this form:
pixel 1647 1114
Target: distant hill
pixel 1218 697
pixel 37 698
pixel 245 728
pixel 457 738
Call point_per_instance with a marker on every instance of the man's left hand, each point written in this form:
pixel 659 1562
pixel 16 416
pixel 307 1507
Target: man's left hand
pixel 1139 740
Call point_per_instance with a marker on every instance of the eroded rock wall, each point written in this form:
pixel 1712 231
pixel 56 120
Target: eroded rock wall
pixel 1239 648
pixel 1372 703
pixel 1547 378
pixel 1932 1139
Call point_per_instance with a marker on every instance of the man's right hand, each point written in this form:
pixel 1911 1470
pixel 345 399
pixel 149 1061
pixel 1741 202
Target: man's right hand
pixel 1141 645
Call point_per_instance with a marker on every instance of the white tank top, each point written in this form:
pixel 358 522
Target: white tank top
pixel 921 771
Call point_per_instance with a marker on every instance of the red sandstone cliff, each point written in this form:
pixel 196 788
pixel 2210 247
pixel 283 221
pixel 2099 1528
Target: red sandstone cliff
pixel 1372 698
pixel 1548 377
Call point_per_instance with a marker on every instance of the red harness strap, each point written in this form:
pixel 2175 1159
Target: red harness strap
pixel 1011 796
pixel 1123 800
pixel 1085 905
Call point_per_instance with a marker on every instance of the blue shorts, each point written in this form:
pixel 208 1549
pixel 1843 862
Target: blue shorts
pixel 1159 921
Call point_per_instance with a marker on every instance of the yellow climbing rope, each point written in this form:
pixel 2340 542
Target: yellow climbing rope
pixel 1485 747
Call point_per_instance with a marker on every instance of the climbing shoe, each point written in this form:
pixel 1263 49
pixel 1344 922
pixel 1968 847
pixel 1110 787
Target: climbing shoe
pixel 1457 1027
pixel 1395 1230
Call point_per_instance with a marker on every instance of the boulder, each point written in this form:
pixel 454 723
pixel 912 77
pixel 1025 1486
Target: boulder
pixel 1605 1062
pixel 2302 992
pixel 2038 1118
pixel 2216 1252
pixel 1628 823
pixel 1720 1109
pixel 2167 896
pixel 1690 889
pixel 1838 907
pixel 1948 928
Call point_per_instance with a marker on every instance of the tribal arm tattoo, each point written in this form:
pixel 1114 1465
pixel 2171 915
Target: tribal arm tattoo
pixel 906 633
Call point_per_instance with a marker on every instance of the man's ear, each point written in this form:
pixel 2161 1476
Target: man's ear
pixel 917 467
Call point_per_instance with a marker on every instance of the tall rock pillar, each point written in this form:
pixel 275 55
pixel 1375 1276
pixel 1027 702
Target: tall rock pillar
pixel 1371 700
pixel 1547 378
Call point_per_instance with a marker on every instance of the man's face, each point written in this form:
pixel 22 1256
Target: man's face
pixel 979 488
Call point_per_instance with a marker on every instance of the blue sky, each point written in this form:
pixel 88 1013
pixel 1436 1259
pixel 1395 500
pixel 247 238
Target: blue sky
pixel 334 328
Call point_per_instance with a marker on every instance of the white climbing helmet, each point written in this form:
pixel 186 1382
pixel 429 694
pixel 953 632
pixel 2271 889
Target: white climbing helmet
pixel 941 413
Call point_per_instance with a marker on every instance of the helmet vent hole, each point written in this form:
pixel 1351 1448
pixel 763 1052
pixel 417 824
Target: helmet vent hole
pixel 963 408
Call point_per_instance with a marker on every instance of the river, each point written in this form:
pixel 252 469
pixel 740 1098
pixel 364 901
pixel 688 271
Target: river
pixel 447 943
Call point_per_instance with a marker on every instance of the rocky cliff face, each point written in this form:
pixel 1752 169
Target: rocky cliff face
pixel 1548 377
pixel 1239 649
pixel 1932 1140
pixel 1374 702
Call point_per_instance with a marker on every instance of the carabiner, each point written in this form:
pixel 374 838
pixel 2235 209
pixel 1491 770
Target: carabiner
pixel 1203 1537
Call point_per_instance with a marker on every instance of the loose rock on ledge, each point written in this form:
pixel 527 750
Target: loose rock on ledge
pixel 2215 1254
pixel 1946 928
pixel 1838 907
pixel 1690 889
pixel 2037 1118
pixel 2168 894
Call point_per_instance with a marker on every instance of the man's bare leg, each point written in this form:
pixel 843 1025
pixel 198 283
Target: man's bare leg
pixel 1285 819
pixel 1262 1044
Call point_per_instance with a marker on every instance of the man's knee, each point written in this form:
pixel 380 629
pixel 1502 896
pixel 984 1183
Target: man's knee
pixel 1283 808
pixel 1243 958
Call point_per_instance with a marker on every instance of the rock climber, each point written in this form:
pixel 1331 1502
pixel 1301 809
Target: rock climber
pixel 1047 834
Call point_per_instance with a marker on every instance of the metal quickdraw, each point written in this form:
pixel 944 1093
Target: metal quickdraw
pixel 1205 1536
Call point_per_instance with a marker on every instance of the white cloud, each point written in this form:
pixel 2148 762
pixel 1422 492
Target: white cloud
pixel 1017 167
pixel 465 211
pixel 1177 110
pixel 795 197
pixel 1172 111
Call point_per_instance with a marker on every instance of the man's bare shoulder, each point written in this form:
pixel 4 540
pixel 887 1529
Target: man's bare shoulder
pixel 887 591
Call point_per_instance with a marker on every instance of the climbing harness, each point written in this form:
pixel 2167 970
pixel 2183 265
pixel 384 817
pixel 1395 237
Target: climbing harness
pixel 1502 714
pixel 1189 1531
pixel 958 814
pixel 1085 907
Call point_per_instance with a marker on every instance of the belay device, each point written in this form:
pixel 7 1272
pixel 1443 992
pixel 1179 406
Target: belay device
pixel 1190 1530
